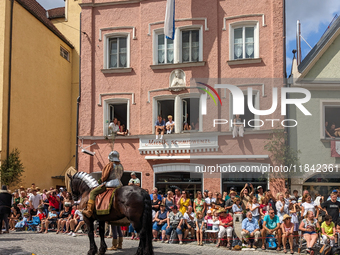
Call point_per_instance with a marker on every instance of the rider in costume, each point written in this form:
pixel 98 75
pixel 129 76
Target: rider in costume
pixel 111 175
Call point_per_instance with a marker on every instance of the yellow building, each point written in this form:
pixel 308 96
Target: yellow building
pixel 39 74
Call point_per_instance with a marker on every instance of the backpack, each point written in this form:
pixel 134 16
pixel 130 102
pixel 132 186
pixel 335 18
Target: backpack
pixel 173 237
pixel 271 242
pixel 236 242
pixel 325 249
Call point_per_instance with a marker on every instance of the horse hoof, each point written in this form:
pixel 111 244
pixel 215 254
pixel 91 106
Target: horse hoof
pixel 102 251
pixel 92 252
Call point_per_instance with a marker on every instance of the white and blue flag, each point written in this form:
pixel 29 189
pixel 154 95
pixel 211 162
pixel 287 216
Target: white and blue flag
pixel 169 22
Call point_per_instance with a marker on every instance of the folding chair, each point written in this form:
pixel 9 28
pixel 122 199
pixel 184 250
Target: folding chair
pixel 32 225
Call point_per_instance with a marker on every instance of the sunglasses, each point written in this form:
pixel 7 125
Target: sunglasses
pixel 271 213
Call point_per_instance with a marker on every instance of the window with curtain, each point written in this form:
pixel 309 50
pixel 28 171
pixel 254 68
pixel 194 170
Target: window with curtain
pixel 118 52
pixel 244 42
pixel 190 46
pixel 165 50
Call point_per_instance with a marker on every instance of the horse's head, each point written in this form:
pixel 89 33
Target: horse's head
pixel 75 191
pixel 81 183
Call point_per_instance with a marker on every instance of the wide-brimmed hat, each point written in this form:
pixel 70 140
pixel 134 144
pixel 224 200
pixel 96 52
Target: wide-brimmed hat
pixel 40 207
pixel 286 216
pixel 162 204
pixel 221 210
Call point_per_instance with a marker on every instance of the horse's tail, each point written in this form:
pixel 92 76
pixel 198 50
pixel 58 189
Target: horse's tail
pixel 146 219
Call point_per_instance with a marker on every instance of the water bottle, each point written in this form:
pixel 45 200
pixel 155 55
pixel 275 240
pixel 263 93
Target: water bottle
pixel 38 228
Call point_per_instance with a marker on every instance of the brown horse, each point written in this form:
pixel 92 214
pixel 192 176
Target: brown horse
pixel 129 201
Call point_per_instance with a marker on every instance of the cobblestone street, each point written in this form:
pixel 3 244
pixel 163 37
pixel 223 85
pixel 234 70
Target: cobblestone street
pixel 23 243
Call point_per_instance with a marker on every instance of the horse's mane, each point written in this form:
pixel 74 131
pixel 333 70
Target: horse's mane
pixel 84 181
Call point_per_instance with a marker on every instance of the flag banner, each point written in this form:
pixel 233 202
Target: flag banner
pixel 169 22
pixel 335 148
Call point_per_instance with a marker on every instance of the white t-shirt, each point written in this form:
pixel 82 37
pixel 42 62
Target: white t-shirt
pixel 113 127
pixel 280 214
pixel 256 212
pixel 170 123
pixel 134 181
pixel 308 207
pixel 208 201
pixel 77 212
pixel 186 217
pixel 35 200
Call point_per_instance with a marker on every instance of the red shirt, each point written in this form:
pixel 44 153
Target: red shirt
pixel 41 215
pixel 53 202
pixel 225 220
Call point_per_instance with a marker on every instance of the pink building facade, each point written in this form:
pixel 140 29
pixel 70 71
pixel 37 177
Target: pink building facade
pixel 128 71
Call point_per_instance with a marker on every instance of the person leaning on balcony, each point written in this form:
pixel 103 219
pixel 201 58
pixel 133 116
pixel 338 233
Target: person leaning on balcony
pixel 238 127
pixel 134 181
pixel 159 126
pixel 115 129
pixel 170 125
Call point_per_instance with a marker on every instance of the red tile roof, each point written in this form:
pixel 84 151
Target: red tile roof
pixel 56 13
pixel 40 13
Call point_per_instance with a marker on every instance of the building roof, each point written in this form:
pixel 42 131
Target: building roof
pixel 40 13
pixel 320 44
pixel 56 13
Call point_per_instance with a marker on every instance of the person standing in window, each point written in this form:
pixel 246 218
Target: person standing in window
pixel 159 127
pixel 134 181
pixel 170 125
pixel 238 126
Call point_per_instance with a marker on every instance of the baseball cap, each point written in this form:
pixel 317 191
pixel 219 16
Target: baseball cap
pixel 259 187
pixel 334 191
pixel 133 173
pixel 173 207
pixel 206 190
pixel 61 189
pixel 233 188
pixel 53 209
pixel 209 211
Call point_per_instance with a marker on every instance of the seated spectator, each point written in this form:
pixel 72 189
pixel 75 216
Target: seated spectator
pixel 333 132
pixel 64 216
pixel 226 226
pixel 264 207
pixel 155 203
pixel 238 127
pixel 21 224
pixel 170 125
pixel 328 231
pixel 309 226
pixel 271 226
pixel 160 223
pixel 337 230
pixel 189 222
pixel 237 210
pixel 14 217
pixel 200 227
pixel 114 128
pixel 16 198
pixel 159 127
pixel 250 229
pixel 175 221
pixel 287 228
pixel 208 220
pixel 76 222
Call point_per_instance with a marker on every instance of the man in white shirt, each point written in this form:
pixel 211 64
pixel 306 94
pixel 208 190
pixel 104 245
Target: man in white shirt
pixel 114 128
pixel 35 200
pixel 209 200
pixel 189 222
pixel 134 181
pixel 170 125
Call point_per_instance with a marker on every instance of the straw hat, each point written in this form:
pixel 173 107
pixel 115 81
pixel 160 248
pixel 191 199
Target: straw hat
pixel 286 216
pixel 222 210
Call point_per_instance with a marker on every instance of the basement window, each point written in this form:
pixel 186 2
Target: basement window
pixel 64 53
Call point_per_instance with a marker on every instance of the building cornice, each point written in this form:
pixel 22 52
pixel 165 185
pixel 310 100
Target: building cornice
pixel 110 3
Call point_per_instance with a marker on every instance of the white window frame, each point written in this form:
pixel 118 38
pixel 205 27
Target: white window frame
pixel 64 53
pixel 323 105
pixel 179 42
pixel 157 32
pixel 106 112
pixel 200 116
pixel 107 38
pixel 243 24
pixel 256 106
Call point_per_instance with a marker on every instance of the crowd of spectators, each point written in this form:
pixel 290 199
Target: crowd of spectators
pixel 209 216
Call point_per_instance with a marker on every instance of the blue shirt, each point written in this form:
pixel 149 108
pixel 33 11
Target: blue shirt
pixel 271 223
pixel 250 225
pixel 162 123
pixel 158 196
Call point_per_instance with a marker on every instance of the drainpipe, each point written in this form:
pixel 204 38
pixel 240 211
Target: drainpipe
pixel 9 78
pixel 285 76
pixel 78 99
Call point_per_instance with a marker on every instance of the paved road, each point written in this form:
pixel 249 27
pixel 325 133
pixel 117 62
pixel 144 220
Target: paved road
pixel 23 243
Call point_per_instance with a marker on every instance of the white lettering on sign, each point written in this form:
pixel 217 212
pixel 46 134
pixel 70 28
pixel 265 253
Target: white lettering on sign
pixel 178 145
